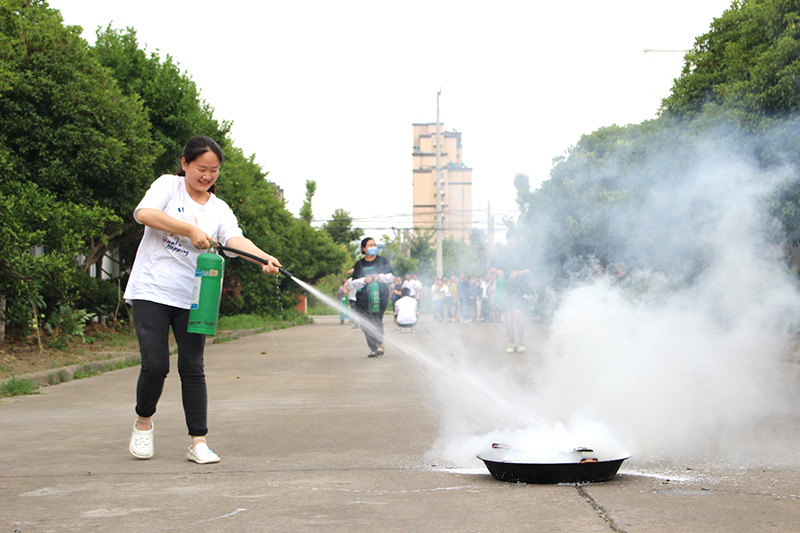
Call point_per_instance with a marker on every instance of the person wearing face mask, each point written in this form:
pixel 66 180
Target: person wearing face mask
pixel 372 276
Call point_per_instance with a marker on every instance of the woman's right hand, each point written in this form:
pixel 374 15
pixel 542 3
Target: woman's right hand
pixel 200 240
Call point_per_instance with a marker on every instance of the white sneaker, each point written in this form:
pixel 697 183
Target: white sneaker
pixel 142 442
pixel 521 347
pixel 200 454
pixel 511 349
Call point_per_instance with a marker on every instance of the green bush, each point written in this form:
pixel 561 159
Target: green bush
pixel 101 297
pixel 17 387
pixel 70 322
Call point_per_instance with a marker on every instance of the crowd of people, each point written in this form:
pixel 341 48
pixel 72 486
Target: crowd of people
pixel 502 294
pixel 455 299
pixel 465 299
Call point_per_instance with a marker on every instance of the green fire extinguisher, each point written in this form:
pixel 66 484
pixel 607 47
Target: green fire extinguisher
pixel 206 294
pixel 374 291
pixel 500 291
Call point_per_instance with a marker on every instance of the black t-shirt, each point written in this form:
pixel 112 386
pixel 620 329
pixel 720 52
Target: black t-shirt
pixel 364 268
pixel 512 261
pixel 396 292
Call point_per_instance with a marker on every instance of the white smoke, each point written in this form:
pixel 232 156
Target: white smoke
pixel 684 357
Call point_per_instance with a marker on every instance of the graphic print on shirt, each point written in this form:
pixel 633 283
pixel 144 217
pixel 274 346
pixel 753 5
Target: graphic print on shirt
pixel 179 244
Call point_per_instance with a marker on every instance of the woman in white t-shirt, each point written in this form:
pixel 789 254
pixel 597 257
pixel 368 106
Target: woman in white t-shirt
pixel 181 216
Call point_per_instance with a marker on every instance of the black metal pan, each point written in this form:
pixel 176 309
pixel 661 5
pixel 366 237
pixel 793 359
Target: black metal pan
pixel 585 468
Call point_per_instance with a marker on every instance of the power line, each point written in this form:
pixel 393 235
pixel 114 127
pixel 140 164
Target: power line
pixel 410 216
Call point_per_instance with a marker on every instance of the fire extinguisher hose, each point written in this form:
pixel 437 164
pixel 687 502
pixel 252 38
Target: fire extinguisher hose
pixel 218 246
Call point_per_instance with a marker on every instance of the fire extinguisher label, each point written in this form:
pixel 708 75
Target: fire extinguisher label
pixel 198 279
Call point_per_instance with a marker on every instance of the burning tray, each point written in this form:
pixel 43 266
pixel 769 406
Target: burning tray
pixel 586 467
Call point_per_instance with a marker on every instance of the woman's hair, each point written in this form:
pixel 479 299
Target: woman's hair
pixel 197 146
pixel 364 242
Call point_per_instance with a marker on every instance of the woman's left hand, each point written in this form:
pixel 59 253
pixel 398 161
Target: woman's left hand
pixel 272 265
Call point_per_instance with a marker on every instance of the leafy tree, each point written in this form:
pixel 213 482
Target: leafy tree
pixel 32 218
pixel 402 265
pixel 172 100
pixel 340 227
pixel 68 139
pixel 314 255
pixel 305 211
pixel 459 256
pixel 424 252
pixel 64 123
pixel 522 184
pixel 746 66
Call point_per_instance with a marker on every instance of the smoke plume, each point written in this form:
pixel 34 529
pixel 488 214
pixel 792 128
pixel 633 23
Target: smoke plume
pixel 675 347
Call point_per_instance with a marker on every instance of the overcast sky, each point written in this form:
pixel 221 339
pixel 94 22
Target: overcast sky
pixel 328 90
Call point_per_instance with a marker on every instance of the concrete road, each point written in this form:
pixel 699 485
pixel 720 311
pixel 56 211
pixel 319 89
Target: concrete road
pixel 316 437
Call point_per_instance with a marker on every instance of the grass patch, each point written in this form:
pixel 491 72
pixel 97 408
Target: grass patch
pixel 17 387
pixel 322 310
pixel 236 322
pixel 87 371
pixel 125 363
pixel 255 324
pixel 61 377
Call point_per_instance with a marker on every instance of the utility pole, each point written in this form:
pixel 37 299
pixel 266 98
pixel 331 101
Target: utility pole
pixel 439 184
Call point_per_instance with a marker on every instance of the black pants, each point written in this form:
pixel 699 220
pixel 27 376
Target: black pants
pixel 152 322
pixel 373 329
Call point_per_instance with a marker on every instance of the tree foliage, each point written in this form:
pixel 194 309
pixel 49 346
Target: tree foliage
pixel 746 66
pixel 64 123
pixel 340 228
pixel 83 132
pixel 306 212
pixel 32 218
pixel 169 96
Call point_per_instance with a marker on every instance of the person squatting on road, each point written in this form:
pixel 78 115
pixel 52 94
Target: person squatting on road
pixel 406 311
pixel 181 215
pixel 372 276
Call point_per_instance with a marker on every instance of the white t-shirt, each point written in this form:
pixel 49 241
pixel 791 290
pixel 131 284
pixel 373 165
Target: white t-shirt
pixel 163 271
pixel 406 308
pixel 409 284
pixel 418 288
pixel 413 286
